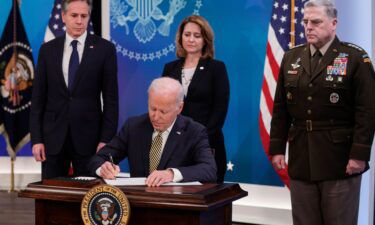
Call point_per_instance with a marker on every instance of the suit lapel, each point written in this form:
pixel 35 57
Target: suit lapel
pixel 178 70
pixel 59 56
pixel 145 145
pixel 200 71
pixel 328 57
pixel 89 46
pixel 170 145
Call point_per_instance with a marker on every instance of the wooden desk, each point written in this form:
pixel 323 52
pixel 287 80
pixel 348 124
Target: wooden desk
pixel 209 204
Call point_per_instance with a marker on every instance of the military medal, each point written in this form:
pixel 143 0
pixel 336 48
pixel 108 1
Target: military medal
pixel 329 78
pixel 339 79
pixel 334 98
pixel 339 65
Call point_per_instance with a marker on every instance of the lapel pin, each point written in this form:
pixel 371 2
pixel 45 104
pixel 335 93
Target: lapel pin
pixel 91 46
pixel 201 68
pixel 178 132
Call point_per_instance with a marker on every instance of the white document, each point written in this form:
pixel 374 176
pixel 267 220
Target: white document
pixel 122 175
pixel 141 181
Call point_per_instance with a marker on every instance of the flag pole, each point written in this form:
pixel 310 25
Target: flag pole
pixel 12 158
pixel 12 174
pixel 292 24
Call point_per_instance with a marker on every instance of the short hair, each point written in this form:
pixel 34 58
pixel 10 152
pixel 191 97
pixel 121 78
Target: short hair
pixel 207 34
pixel 167 85
pixel 329 7
pixel 65 4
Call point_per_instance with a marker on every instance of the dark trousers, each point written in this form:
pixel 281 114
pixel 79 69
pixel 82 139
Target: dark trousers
pixel 217 143
pixel 58 165
pixel 333 202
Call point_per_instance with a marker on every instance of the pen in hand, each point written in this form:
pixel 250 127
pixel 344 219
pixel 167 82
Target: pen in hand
pixel 112 162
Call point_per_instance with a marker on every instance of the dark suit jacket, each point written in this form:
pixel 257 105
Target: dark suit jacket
pixel 208 94
pixel 207 97
pixel 339 104
pixel 186 149
pixel 54 109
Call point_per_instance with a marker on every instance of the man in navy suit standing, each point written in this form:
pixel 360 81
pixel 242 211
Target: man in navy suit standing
pixel 160 145
pixel 69 121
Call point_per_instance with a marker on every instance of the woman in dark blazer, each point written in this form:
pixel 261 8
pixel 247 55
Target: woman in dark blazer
pixel 205 82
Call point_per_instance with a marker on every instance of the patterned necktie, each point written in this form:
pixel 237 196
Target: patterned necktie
pixel 315 61
pixel 73 64
pixel 155 152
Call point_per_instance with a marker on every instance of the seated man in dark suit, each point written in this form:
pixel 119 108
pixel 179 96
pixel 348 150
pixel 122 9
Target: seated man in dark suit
pixel 161 145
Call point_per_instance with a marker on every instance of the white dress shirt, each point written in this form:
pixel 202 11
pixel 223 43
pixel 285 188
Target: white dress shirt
pixel 68 52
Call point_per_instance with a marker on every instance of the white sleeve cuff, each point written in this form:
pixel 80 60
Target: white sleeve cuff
pixel 177 176
pixel 98 171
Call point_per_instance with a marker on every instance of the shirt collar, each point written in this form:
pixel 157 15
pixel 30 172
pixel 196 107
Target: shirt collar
pixel 168 130
pixel 81 39
pixel 323 49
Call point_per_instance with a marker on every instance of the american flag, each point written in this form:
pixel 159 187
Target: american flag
pixel 285 31
pixel 56 26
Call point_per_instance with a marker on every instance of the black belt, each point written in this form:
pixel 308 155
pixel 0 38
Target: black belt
pixel 311 125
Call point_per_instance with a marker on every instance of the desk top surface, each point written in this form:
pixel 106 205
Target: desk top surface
pixel 198 197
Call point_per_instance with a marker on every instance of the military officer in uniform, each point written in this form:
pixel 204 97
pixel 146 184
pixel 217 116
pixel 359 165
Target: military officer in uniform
pixel 324 107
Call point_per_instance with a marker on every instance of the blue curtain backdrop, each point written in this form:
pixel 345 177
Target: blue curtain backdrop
pixel 240 41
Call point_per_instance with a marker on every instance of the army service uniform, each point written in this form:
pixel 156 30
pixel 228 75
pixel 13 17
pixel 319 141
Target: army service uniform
pixel 327 116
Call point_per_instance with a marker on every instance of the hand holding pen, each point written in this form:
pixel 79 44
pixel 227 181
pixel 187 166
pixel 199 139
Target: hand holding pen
pixel 109 169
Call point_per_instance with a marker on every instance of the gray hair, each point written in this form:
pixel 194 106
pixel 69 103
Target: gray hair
pixel 328 5
pixel 65 4
pixel 168 85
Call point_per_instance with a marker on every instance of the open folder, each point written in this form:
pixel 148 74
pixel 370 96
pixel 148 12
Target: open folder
pixel 141 181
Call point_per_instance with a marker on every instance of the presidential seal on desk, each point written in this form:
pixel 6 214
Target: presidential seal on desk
pixel 105 204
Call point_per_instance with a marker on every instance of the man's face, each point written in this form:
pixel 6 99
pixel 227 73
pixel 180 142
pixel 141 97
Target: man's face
pixel 163 110
pixel 76 18
pixel 319 27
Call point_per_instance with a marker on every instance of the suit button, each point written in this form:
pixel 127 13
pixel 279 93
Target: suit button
pixel 309 98
pixel 310 85
pixel 309 111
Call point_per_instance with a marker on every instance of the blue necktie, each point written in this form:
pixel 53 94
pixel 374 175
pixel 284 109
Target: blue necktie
pixel 73 64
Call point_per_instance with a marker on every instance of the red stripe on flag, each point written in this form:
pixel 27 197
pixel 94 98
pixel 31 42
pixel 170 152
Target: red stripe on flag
pixel 267 96
pixel 265 138
pixel 272 61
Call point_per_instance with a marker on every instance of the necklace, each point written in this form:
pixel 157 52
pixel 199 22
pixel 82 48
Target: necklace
pixel 185 80
pixel 187 76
